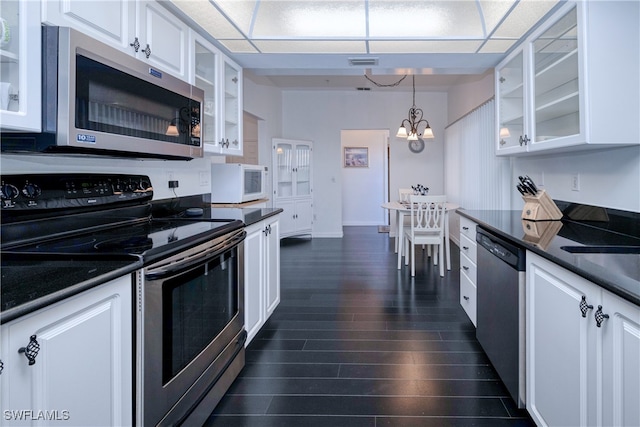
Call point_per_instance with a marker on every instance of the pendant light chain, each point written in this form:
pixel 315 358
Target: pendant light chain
pixel 383 85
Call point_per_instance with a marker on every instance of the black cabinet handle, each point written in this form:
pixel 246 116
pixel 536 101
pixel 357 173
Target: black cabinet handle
pixel 1 367
pixel 465 228
pixel 31 350
pixel 584 306
pixel 466 248
pixel 600 316
pixel 466 297
pixel 135 45
pixel 464 267
pixel 147 51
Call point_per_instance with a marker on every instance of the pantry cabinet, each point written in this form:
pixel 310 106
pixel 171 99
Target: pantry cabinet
pixel 20 66
pixel 221 80
pixel 71 362
pixel 587 336
pixel 292 186
pixel 556 91
pixel 262 273
pixel 143 28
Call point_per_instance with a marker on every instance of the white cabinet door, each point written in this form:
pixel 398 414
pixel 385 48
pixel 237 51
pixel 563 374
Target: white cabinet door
pixel 272 265
pixel 205 75
pixel 165 36
pixel 254 268
pixel 20 67
pixel 110 21
pixel 262 273
pixel 82 370
pixel 560 343
pixel 231 108
pixel 621 362
pixel 510 104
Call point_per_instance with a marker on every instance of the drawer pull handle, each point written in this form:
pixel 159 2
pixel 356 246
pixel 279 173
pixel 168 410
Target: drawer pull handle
pixel 466 297
pixel 465 228
pixel 600 316
pixel 464 267
pixel 466 248
pixel 31 350
pixel 584 307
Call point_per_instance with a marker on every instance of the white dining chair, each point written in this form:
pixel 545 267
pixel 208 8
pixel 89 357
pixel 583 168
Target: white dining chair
pixel 427 228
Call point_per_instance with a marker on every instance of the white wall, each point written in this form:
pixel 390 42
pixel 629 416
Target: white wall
pixel 320 116
pixel 364 189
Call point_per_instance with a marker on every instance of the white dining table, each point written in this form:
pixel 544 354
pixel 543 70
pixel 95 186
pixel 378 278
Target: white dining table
pixel 402 210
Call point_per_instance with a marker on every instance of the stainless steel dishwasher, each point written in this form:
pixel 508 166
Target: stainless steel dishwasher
pixel 501 309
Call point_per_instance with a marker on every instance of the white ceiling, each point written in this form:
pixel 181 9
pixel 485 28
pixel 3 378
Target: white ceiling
pixel 313 43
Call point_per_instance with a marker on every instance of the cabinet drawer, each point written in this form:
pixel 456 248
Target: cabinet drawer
pixel 468 247
pixel 468 267
pixel 467 228
pixel 468 297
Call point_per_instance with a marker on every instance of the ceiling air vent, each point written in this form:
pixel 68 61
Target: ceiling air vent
pixel 363 62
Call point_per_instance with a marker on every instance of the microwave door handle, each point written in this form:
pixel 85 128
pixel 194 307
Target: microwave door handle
pixel 184 264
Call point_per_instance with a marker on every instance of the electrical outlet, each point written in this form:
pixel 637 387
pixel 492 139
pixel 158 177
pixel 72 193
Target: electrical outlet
pixel 170 176
pixel 203 178
pixel 575 182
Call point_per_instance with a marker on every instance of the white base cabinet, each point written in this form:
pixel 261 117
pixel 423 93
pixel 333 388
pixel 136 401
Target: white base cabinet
pixel 82 370
pixel 468 263
pixel 262 273
pixel 583 350
pixel 297 217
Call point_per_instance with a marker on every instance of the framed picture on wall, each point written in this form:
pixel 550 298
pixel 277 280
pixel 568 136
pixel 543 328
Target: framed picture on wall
pixel 356 157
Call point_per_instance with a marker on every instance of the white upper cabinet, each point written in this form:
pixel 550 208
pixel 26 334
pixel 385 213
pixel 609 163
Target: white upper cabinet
pixel 144 28
pixel 20 65
pixel 221 80
pixel 558 91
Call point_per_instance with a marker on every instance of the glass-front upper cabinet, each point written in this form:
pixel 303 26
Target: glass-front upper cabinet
pixel 284 169
pixel 511 99
pixel 572 84
pixel 205 77
pixel 303 170
pixel 292 169
pixel 20 66
pixel 232 108
pixel 556 80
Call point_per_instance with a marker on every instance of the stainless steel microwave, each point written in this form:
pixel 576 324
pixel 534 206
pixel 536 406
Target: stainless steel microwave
pixel 100 100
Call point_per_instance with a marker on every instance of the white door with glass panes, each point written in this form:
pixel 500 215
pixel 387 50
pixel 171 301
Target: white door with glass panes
pixel 292 187
pixel 20 68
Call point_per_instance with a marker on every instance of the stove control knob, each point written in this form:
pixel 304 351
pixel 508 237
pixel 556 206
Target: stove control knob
pixel 31 190
pixel 8 191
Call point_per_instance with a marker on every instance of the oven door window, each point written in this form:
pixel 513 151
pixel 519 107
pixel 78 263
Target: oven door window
pixel 114 102
pixel 197 306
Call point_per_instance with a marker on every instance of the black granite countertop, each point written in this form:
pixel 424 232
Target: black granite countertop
pixel 247 215
pixel 48 277
pixel 618 273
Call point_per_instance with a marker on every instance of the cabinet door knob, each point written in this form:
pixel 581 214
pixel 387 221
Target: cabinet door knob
pixel 31 350
pixel 135 45
pixel 600 316
pixel 1 367
pixel 584 307
pixel 464 267
pixel 465 228
pixel 466 298
pixel 466 248
pixel 147 51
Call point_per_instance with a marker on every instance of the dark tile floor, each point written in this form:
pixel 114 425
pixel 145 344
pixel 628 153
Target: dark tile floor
pixel 356 342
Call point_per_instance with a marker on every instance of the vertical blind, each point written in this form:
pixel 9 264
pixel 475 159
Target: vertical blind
pixel 474 177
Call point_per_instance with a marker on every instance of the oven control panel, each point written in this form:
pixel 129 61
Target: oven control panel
pixel 39 192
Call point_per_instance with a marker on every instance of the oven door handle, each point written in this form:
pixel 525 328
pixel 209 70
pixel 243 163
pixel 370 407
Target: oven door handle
pixel 178 266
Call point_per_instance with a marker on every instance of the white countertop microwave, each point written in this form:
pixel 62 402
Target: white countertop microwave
pixel 237 183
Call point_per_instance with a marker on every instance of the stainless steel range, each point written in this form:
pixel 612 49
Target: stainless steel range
pixel 189 294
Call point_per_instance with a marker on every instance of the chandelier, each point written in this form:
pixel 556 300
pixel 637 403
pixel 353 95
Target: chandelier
pixel 409 127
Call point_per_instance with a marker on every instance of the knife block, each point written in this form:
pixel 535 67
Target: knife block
pixel 540 233
pixel 540 208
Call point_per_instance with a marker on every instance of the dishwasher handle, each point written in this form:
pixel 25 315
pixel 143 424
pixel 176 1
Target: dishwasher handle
pixel 501 248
